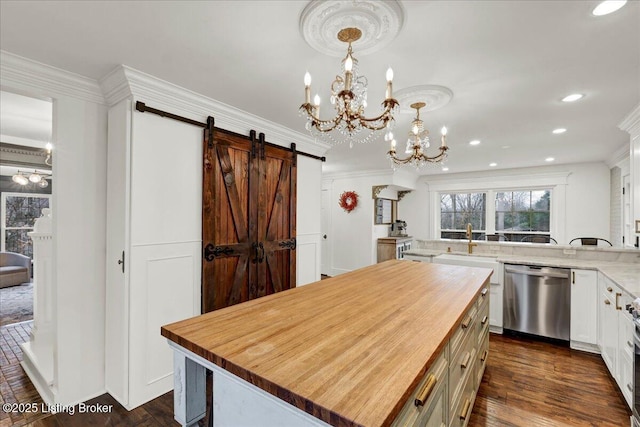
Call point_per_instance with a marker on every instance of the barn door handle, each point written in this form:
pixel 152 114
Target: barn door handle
pixel 261 247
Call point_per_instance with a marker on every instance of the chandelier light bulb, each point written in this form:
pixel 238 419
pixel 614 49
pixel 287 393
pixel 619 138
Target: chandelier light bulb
pixel 20 179
pixel 35 177
pixel 393 144
pixel 389 74
pixel 43 183
pixel 49 146
pixel 348 63
pixel 307 79
pixel 443 131
pixel 316 100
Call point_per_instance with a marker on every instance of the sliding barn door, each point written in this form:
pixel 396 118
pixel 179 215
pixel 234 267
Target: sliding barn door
pixel 248 219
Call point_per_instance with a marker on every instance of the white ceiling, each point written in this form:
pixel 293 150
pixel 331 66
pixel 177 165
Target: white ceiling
pixel 508 64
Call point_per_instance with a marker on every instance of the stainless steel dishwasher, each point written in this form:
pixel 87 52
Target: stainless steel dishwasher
pixel 537 300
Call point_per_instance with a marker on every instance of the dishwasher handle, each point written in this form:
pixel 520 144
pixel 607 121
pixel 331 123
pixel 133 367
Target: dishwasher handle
pixel 536 272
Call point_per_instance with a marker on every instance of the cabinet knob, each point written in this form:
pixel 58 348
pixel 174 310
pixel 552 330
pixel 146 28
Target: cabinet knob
pixel 607 302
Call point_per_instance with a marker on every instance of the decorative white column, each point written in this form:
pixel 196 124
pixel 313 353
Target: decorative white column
pixel 39 351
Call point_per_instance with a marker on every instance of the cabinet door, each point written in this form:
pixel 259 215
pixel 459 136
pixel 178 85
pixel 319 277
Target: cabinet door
pixel 608 332
pixel 584 291
pixel 495 308
pixel 625 355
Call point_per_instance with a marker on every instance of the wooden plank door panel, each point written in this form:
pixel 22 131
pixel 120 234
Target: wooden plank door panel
pixel 249 208
pixel 226 222
pixel 276 221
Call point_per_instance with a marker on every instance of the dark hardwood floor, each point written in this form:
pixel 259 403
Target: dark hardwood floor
pixel 527 383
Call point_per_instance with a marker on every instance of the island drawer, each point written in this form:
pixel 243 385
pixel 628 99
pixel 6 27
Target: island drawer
pixel 484 295
pixel 463 330
pixel 428 403
pixel 461 409
pixel 482 321
pixel 482 355
pixel 460 367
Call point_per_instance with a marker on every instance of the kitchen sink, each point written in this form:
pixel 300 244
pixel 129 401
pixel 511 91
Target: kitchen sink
pixel 487 261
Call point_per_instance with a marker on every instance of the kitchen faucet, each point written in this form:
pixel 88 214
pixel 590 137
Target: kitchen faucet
pixel 470 245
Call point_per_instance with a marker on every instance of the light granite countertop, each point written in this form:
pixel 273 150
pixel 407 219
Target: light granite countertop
pixel 625 275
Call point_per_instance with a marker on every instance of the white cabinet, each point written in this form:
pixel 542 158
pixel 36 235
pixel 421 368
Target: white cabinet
pixel 625 355
pixel 392 247
pixel 584 325
pixel 615 334
pixel 153 249
pixel 497 297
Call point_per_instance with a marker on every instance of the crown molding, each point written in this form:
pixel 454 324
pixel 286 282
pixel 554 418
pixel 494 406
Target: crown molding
pixel 17 72
pixel 631 123
pixel 618 156
pixel 125 82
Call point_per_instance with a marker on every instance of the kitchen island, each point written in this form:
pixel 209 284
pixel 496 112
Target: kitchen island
pixel 365 348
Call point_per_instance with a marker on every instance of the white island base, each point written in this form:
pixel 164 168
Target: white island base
pixel 236 402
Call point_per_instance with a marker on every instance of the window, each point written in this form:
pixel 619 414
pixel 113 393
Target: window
pixel 497 215
pixel 19 213
pixel 523 213
pixel 459 209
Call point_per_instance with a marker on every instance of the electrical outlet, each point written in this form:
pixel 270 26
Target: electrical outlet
pixel 569 251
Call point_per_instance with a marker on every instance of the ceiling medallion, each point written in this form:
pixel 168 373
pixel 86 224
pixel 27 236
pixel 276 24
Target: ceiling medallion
pixel 379 21
pixel 433 96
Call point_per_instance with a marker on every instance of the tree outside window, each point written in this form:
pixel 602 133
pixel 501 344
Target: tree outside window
pixel 459 209
pixel 20 213
pixel 523 213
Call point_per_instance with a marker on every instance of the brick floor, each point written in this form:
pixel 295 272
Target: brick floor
pixel 15 386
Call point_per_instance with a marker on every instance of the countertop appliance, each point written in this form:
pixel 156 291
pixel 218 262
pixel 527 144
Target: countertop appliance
pixel 537 300
pixel 398 228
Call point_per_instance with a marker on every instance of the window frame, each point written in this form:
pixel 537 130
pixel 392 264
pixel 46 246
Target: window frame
pixel 556 182
pixel 3 214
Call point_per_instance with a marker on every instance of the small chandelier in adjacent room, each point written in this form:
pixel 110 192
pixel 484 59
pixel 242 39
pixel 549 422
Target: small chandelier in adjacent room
pixel 349 98
pixel 35 177
pixel 417 143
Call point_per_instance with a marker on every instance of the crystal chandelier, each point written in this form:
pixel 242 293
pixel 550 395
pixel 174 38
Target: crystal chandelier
pixel 417 143
pixel 349 98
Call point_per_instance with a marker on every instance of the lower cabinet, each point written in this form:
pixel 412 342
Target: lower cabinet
pixel 584 303
pixel 615 334
pixel 446 393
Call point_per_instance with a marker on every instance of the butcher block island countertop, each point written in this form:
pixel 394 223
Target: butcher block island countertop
pixel 348 350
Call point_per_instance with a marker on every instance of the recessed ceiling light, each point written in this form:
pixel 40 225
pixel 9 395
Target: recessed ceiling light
pixel 474 142
pixel 559 130
pixel 493 164
pixel 573 97
pixel 444 169
pixel 607 7
pixel 506 146
pixel 549 159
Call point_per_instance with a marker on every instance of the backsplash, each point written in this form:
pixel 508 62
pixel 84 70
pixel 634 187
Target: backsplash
pixel 534 250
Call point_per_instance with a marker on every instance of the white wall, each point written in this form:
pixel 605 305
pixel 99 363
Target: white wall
pixel 352 238
pixel 79 212
pixel 309 183
pixel 585 211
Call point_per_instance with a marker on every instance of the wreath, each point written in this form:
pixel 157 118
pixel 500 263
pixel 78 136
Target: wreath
pixel 348 200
